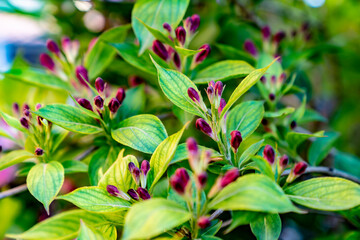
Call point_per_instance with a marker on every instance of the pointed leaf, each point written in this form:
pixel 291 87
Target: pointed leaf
pixel 321 147
pixel 267 227
pixel 89 233
pixel 14 157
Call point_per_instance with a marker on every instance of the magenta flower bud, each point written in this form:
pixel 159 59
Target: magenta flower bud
pixel 293 124
pixel 167 27
pixel 263 79
pixel 131 166
pixel 284 161
pixel 16 108
pixel 183 174
pixel 143 193
pixel 269 154
pixel 266 32
pixel 219 88
pixel 192 146
pixel 203 126
pixel 24 122
pixel 112 190
pixel 39 152
pixel 272 97
pixel 203 222
pixel 52 47
pixel 145 167
pixel 279 36
pixel 38 106
pixel 221 105
pixel 160 50
pixel 65 43
pixel 193 94
pixel 273 79
pixel 135 172
pixel 133 194
pixel 120 95
pixel 300 168
pixel 177 60
pixel 135 81
pixel 250 47
pixel 195 23
pixel 210 93
pixel 1 148
pixel 27 113
pixel 282 77
pixel 47 62
pixel 235 141
pixel 229 177
pixel 100 85
pixel 114 105
pixel 201 180
pixel 99 102
pixel 180 35
pixel 26 107
pixel 212 83
pixel 85 103
pixel 82 75
pixel 199 57
pixel 180 180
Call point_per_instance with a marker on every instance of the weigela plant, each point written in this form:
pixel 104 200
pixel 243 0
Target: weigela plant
pixel 245 163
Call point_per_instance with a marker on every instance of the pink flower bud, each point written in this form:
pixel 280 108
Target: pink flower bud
pixel 65 43
pixel 114 105
pixel 26 107
pixel 279 36
pixel 167 27
pixel 195 23
pixel 221 105
pixel 300 168
pixel 192 146
pixel 203 222
pixel 99 102
pixel 120 95
pixel 203 126
pixel 143 193
pixel 133 194
pixel 180 35
pixel 199 57
pixel 229 177
pixel 180 180
pixel 82 75
pixel 235 141
pixel 112 190
pixel 135 81
pixel 100 85
pixel 266 32
pixel 39 152
pixel 16 108
pixel 160 50
pixel 201 180
pixel 27 114
pixel 263 79
pixel 284 161
pixel 269 154
pixel 52 47
pixel 131 166
pixel 210 93
pixel 212 83
pixel 250 47
pixel 47 62
pixel 219 88
pixel 177 60
pixel 194 95
pixel 38 106
pixel 135 172
pixel 85 103
pixel 145 167
pixel 24 122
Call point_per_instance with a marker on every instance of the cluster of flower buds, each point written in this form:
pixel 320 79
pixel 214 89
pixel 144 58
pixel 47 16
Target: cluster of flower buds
pixel 222 181
pixel 276 162
pixel 140 178
pixel 181 37
pixel 273 85
pixel 26 119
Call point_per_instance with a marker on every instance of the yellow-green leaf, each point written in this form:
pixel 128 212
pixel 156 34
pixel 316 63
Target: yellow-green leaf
pixel 14 157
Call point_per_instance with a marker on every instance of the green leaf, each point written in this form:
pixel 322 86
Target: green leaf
pixel 158 34
pixel 109 231
pixel 267 227
pixel 95 199
pixel 70 118
pixel 264 166
pixel 142 132
pixel 175 85
pixel 152 217
pixel 13 122
pixel 233 53
pixel 163 154
pixel 62 226
pixel 73 166
pixel 294 139
pixel 347 162
pixel 44 182
pixel 101 54
pixel 325 193
pixel 245 117
pixel 155 13
pixel 242 218
pixel 244 86
pixel 118 174
pixel 134 102
pixel 14 157
pixel 186 52
pixel 275 69
pixel 253 192
pixel 182 153
pixel 321 147
pixel 281 113
pixel 311 115
pixel 250 152
pixel 38 77
pixel 224 70
pixel 88 233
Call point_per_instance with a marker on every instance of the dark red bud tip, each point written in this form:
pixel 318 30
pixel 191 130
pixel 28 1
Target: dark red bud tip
pixel 39 152
pixel 272 97
pixel 273 79
pixel 183 174
pixel 180 35
pixel 82 75
pixel 120 95
pixel 250 47
pixel 266 32
pixel 305 26
pixel 24 122
pixel 85 103
pixel 160 50
pixel 133 194
pixel 279 36
pixel 284 161
pixel 203 222
pixel 135 81
pixel 114 105
pixel 16 108
pixel 100 85
pixel 192 146
pixel 27 113
pixel 203 126
pixel 263 79
pixel 47 62
pixel 236 139
pixel 112 190
pixel 143 193
pixel 145 166
pixel 195 23
pixel 99 102
pixel 38 106
pixel 199 57
pixel 293 124
pixel 300 168
pixel 269 154
pixel 177 60
pixel 202 179
pixel 221 105
pixel 193 94
pixel 264 122
pixel 26 107
pixel 131 166
pixel 180 180
pixel 229 177
pixel 52 46
pixel 219 86
pixel 210 92
pixel 212 83
pixel 167 27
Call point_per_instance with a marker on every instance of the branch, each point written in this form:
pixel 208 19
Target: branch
pixel 13 191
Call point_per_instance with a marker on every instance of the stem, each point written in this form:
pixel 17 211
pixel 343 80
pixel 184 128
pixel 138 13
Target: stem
pixel 13 191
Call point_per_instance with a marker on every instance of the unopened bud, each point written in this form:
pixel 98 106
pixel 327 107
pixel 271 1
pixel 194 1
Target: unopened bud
pixel 100 85
pixel 135 81
pixel 180 35
pixel 199 57
pixel 235 141
pixel 114 105
pixel 1 148
pixel 192 23
pixel 193 153
pixel 120 95
pixel 201 180
pixel 114 191
pixel 203 222
pixel 300 168
pixel 221 105
pixel 210 93
pixel 167 27
pixel 133 194
pixel 145 167
pixel 177 60
pixel 160 50
pixel 219 88
pixel 85 103
pixel 283 161
pixel 82 75
pixel 180 180
pixel 272 97
pixel 273 79
pixel 16 108
pixel 135 172
pixel 266 32
pixel 250 47
pixel 193 94
pixel 279 36
pixel 27 114
pixel 203 126
pixel 52 47
pixel 269 154
pixel 99 102
pixel 38 106
pixel 39 152
pixel 293 124
pixel 24 122
pixel 47 62
pixel 229 177
pixel 263 79
pixel 143 193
